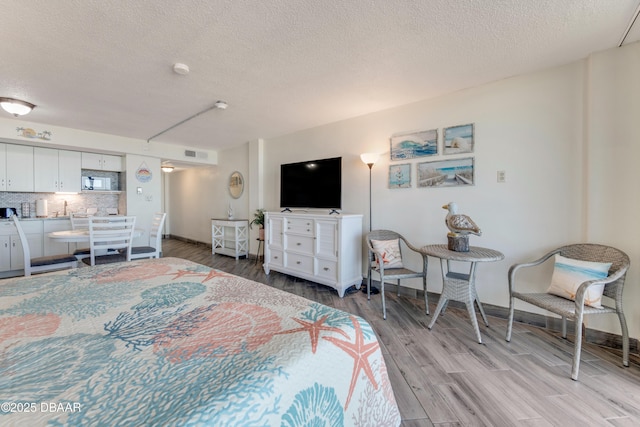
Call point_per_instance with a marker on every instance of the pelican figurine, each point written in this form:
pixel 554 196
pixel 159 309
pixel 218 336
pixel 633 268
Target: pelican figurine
pixel 459 224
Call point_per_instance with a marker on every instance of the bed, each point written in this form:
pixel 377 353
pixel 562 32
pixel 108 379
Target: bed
pixel 171 342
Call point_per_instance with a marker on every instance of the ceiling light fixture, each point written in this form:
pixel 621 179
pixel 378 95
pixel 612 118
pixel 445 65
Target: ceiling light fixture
pixel 167 168
pixel 16 106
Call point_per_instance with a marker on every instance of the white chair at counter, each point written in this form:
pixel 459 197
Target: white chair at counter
pixel 154 250
pixel 80 222
pixel 110 233
pixel 42 264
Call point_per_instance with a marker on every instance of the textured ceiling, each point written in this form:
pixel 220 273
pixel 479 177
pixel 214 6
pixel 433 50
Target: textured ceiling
pixel 281 65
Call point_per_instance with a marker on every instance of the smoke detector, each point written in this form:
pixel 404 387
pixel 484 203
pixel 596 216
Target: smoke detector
pixel 221 105
pixel 180 68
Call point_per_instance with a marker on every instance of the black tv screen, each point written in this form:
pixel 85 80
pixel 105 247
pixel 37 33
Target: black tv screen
pixel 311 184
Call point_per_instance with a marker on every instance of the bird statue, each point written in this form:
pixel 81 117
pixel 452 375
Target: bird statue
pixel 459 224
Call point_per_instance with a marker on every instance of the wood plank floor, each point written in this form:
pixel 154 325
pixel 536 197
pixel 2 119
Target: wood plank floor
pixel 444 377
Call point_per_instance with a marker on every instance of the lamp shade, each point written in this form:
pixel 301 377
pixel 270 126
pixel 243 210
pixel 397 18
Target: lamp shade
pixel 16 106
pixel 369 158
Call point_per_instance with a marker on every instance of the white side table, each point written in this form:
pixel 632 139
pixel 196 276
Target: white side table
pixel 230 237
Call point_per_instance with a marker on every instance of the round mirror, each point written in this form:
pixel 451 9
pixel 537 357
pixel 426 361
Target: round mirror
pixel 236 184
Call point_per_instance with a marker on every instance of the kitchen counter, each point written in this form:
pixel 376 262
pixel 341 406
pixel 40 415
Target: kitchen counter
pixel 36 219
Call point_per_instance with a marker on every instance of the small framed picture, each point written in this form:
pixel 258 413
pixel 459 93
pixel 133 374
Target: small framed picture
pixel 400 176
pixel 458 139
pixel 446 173
pixel 414 144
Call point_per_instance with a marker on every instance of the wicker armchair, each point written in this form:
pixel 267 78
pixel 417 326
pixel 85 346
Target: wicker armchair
pixel 576 311
pixel 392 273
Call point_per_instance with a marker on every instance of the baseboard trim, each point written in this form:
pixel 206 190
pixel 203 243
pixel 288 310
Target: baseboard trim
pixel 604 339
pixel 184 239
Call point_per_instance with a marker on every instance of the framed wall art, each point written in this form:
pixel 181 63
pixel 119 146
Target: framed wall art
pixel 400 176
pixel 458 139
pixel 414 144
pixel 446 173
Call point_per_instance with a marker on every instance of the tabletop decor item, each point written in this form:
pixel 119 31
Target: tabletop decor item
pixel 460 226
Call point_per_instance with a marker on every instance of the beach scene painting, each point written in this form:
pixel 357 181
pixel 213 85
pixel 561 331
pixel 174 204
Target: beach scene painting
pixel 414 144
pixel 458 139
pixel 400 176
pixel 446 173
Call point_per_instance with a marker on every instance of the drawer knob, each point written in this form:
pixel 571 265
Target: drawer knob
pixel 275 257
pixel 326 269
pixel 298 244
pixel 297 262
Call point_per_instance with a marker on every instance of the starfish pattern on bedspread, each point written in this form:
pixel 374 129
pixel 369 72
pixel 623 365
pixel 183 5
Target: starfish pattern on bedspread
pixel 314 329
pixel 360 353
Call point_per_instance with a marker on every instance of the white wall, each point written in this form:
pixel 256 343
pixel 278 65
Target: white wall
pixel 200 194
pixel 613 199
pixel 76 139
pixel 567 138
pixel 529 126
pixel 147 202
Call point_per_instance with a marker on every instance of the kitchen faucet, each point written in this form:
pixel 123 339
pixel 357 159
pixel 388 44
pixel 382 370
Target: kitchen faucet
pixel 64 213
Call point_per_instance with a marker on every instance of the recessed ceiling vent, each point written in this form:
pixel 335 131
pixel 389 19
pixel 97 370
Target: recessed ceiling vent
pixel 198 154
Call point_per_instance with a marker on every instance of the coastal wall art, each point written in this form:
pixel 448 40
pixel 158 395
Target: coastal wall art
pixel 446 173
pixel 400 176
pixel 458 139
pixel 410 145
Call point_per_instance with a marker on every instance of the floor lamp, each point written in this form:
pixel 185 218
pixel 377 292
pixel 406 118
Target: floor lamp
pixel 369 159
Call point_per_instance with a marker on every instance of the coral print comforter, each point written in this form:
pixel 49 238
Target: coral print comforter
pixel 169 342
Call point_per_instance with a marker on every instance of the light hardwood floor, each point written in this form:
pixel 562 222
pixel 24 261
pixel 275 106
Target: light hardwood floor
pixel 444 377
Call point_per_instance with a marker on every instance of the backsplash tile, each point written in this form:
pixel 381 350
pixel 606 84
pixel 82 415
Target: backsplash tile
pixel 55 202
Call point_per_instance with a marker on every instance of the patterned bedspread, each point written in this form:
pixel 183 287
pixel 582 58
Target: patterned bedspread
pixel 170 342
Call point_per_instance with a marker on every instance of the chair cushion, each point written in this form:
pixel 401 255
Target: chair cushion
pixel 85 251
pixel 51 260
pixel 569 274
pixel 106 259
pixel 390 250
pixel 142 250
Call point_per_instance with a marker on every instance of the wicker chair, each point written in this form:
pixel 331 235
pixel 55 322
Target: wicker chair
pixel 392 273
pixel 576 311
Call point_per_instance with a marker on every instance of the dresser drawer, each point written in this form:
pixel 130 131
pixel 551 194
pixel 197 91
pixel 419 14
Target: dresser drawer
pixel 327 269
pixel 276 258
pixel 300 244
pixel 300 263
pixel 300 226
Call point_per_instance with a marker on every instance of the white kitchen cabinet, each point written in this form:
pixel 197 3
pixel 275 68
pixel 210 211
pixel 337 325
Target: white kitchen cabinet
pixel 57 170
pixel 230 237
pixel 104 162
pixel 3 167
pixel 321 248
pixel 13 257
pixel 16 168
pixel 5 253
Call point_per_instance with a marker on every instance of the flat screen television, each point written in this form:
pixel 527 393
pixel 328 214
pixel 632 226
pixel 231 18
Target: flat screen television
pixel 311 184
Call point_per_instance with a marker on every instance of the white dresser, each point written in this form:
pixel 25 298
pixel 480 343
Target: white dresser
pixel 321 248
pixel 230 237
